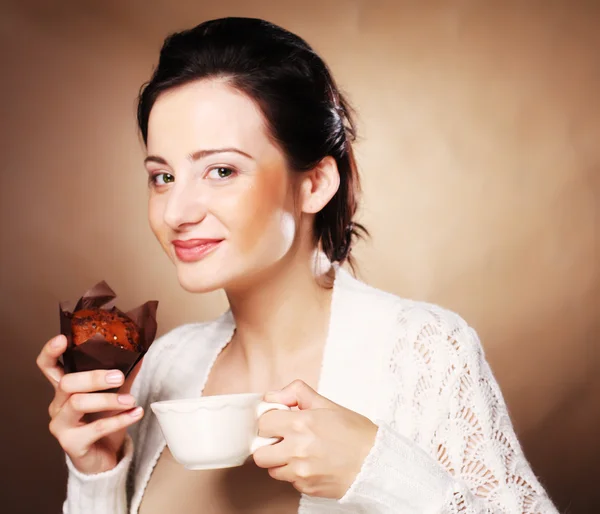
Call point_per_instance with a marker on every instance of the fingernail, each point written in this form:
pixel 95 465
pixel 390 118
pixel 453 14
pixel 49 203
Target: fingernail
pixel 56 343
pixel 136 413
pixel 54 375
pixel 126 399
pixel 114 377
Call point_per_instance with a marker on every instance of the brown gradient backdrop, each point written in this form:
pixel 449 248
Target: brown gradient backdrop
pixel 480 153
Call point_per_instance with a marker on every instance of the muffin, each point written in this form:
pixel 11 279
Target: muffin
pixel 101 336
pixel 114 327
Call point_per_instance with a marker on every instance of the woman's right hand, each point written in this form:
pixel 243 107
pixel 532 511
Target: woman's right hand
pixel 90 426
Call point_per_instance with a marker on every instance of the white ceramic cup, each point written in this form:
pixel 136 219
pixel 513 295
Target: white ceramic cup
pixel 214 432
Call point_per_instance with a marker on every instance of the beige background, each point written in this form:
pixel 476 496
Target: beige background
pixel 480 153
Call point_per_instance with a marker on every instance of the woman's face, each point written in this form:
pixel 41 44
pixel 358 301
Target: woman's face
pixel 222 201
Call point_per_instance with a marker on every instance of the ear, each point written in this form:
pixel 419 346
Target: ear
pixel 319 185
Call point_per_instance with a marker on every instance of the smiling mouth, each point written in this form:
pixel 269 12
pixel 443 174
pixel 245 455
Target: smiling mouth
pixel 195 249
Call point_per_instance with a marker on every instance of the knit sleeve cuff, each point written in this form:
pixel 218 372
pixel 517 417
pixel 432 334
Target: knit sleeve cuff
pixel 100 493
pixel 398 476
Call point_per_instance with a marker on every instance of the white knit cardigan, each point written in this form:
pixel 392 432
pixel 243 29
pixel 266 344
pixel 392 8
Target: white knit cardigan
pixel 445 442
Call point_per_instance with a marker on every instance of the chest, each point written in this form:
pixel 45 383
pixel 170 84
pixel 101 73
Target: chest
pixel 246 489
pixel 351 372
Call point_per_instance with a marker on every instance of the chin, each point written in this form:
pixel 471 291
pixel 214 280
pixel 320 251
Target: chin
pixel 199 282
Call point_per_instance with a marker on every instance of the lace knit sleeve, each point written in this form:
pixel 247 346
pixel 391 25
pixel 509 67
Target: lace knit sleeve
pixel 468 428
pixel 449 447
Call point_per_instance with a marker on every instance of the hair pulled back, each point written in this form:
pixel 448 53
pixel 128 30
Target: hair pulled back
pixel 305 112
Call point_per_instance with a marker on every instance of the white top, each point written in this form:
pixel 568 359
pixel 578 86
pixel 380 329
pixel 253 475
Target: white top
pixel 445 442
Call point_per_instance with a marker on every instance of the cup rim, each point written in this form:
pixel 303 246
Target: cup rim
pixel 236 398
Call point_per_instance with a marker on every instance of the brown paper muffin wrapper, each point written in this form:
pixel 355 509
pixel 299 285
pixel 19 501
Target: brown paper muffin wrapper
pixel 97 353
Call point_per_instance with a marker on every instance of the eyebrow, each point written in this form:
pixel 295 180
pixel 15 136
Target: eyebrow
pixel 200 154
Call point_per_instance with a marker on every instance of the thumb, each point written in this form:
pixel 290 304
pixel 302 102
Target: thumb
pixel 298 394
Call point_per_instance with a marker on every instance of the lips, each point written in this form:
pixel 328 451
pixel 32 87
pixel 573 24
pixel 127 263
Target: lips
pixel 193 250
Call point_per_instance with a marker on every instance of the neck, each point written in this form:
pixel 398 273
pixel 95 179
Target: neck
pixel 283 313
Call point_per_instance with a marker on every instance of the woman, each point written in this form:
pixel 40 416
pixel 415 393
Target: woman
pixel 253 189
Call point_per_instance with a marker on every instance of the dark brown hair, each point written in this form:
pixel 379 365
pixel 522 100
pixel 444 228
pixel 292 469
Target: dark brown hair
pixel 305 112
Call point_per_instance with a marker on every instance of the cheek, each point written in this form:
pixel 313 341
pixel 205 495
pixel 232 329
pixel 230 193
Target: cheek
pixel 155 215
pixel 266 208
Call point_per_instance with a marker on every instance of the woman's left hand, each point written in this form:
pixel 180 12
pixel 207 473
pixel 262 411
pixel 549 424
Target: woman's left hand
pixel 323 445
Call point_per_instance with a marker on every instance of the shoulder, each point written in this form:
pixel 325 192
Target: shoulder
pixel 433 359
pixel 412 326
pixel 437 337
pixel 424 320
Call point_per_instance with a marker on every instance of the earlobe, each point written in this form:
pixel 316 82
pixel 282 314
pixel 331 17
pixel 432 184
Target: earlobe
pixel 319 185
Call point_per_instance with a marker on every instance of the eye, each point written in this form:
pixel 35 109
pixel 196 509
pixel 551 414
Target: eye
pixel 220 173
pixel 162 179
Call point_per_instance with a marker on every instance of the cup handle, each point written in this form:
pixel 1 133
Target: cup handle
pixel 259 442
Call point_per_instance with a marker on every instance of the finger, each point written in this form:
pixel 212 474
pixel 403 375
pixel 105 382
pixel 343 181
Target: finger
pixel 90 381
pixel 277 423
pixel 47 360
pixel 298 394
pixel 271 456
pixel 80 404
pixel 77 441
pixel 283 473
pixel 83 382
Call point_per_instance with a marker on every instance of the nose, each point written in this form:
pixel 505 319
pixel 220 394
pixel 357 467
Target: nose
pixel 185 206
